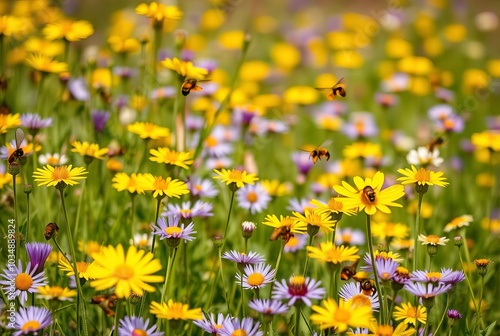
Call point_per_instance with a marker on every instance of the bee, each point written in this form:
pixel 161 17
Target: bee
pixel 190 84
pixel 319 152
pixel 369 193
pixel 51 229
pixel 283 233
pixel 435 144
pixel 366 284
pixel 18 152
pixel 349 271
pixel 337 90
pixel 107 302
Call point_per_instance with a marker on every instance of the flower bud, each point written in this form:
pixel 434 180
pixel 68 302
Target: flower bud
pixel 248 228
pixel 458 241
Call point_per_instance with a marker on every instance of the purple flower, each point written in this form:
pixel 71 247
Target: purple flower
pixel 302 161
pixel 78 89
pixel 163 92
pixel 440 112
pixel 386 268
pixel 386 99
pixel 99 119
pixel 256 276
pixel 296 243
pixel 453 314
pixel 351 291
pixel 298 288
pixel 254 198
pixel 212 325
pixel 361 125
pixel 168 227
pixel 446 276
pixel 452 277
pixel 38 254
pixel 299 204
pixel 124 72
pixel 452 123
pixel 445 95
pixel 268 307
pixel 33 121
pixel 199 187
pixel 243 258
pixel 24 281
pixel 426 291
pixel 132 325
pixel 32 319
pixel 245 327
pixel 199 209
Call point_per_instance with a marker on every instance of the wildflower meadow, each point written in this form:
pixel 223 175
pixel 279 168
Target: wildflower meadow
pixel 249 168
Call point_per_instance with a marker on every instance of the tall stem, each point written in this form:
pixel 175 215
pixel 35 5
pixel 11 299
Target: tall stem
pixel 307 256
pixel 229 216
pixel 374 267
pixel 444 314
pixel 223 282
pixel 417 232
pixel 171 259
pixel 297 321
pixel 80 299
pixel 278 261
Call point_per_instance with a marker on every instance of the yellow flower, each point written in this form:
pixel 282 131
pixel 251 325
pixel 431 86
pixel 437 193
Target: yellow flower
pixel 388 330
pixel 122 181
pixel 101 78
pixel 458 222
pixel 416 65
pixel 316 219
pixel 127 273
pixel 398 47
pixel 474 79
pixel 16 27
pixel 175 311
pixel 422 177
pixel 171 157
pixel 330 253
pixel 348 59
pixel 45 64
pixel 362 150
pixel 123 45
pixel 232 39
pixel 383 230
pixel 148 130
pixel 212 19
pixel 8 121
pixel 91 150
pixel 44 47
pixel 293 225
pixel 368 194
pixel 254 71
pixel 67 175
pixel 85 269
pixel 340 316
pixel 184 69
pixel 89 247
pixel 334 206
pixel 159 12
pixel 455 32
pixel 235 178
pixel 275 188
pixel 488 139
pixel 285 55
pixel 69 30
pixel 56 293
pixel 410 314
pixel 160 186
pixel 304 95
pixel 432 240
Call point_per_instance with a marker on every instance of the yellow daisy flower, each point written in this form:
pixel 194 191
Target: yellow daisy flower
pixel 62 175
pixel 458 222
pixel 148 130
pixel 122 181
pixel 313 218
pixel 384 230
pixel 159 11
pixel 123 45
pixel 69 30
pixel 341 316
pixel 171 157
pixel 432 240
pixel 45 64
pixel 422 177
pixel 184 69
pixel 293 225
pixel 44 47
pixel 410 314
pixel 276 188
pixel 160 186
pixel 56 293
pixel 85 269
pixel 368 194
pixel 89 247
pixel 333 206
pixel 235 178
pixel 90 150
pixel 13 26
pixel 175 311
pixel 8 121
pixel 131 272
pixel 330 253
pixel 388 330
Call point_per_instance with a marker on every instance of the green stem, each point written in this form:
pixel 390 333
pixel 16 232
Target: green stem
pixel 132 215
pixel 444 314
pixel 307 256
pixel 468 282
pixel 278 261
pixel 426 330
pixel 27 238
pixel 117 313
pixel 78 212
pixel 228 216
pixel 479 318
pixel 171 259
pixel 223 282
pixel 417 232
pixel 242 296
pixel 18 237
pixel 374 267
pixel 80 300
pixel 212 288
pixel 297 321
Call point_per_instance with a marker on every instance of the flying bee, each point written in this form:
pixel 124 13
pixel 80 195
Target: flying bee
pixel 283 233
pixel 18 152
pixel 319 152
pixel 107 302
pixel 366 284
pixel 190 84
pixel 51 229
pixel 336 90
pixel 435 144
pixel 349 271
pixel 369 193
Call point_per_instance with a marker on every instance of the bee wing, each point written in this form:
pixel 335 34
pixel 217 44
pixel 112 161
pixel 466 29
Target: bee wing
pixel 325 143
pixel 196 88
pixel 203 80
pixel 341 81
pixel 19 137
pixel 323 89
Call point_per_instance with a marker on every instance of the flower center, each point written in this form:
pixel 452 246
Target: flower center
pixel 432 239
pixel 252 197
pixel 173 230
pixel 235 175
pixel 412 312
pixel 333 255
pixel 239 332
pixel 139 332
pixel 176 311
pixel 211 141
pixel 335 205
pixel 82 266
pixel 385 276
pixel 361 300
pixel 23 281
pixel 434 276
pixel 255 279
pixel 346 237
pixel 384 330
pixel 423 175
pixel 124 272
pixel 60 173
pixel 56 291
pixel 160 183
pixel 31 325
pixel 297 286
pixel 342 315
pixel 52 161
